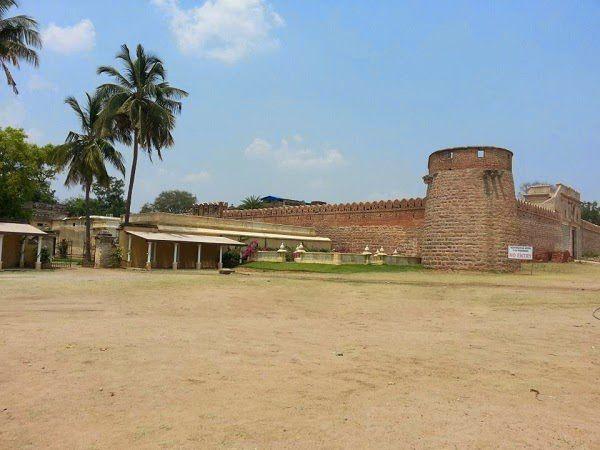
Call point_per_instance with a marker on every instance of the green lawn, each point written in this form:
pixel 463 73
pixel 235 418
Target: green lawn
pixel 330 268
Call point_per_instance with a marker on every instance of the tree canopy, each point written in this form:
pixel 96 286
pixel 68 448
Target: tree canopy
pixel 140 106
pixel 175 201
pixel 251 202
pixel 107 201
pixel 590 211
pixel 19 37
pixel 25 174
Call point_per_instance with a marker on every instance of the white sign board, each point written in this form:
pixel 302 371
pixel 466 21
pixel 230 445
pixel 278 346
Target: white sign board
pixel 520 252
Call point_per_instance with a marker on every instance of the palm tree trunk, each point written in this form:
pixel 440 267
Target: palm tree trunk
pixel 131 178
pixel 88 226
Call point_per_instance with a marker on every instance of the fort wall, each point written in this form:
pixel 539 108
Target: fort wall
pixel 392 224
pixel 467 220
pixel 540 228
pixel 590 234
pixel 470 213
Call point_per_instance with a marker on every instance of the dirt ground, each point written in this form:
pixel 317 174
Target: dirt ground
pixel 121 359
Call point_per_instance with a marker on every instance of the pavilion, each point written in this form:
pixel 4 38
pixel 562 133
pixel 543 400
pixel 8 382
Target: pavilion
pixel 15 251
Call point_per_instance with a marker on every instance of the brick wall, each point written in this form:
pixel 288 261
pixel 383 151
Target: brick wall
pixel 590 235
pixel 351 226
pixel 540 228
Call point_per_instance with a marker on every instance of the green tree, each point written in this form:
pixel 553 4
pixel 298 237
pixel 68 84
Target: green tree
pixel 107 201
pixel 140 107
pixel 111 198
pixel 590 211
pixel 25 174
pixel 176 202
pixel 18 39
pixel 251 202
pixel 76 206
pixel 84 156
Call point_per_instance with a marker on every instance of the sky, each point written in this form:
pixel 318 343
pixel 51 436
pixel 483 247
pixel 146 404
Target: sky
pixel 332 100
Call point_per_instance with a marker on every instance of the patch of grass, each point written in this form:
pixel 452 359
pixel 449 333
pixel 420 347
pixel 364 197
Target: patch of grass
pixel 330 268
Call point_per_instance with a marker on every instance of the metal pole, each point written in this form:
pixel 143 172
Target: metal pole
pixel 220 257
pixel 199 260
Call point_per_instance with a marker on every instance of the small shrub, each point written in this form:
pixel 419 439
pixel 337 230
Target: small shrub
pixel 63 248
pixel 45 256
pixel 116 257
pixel 231 259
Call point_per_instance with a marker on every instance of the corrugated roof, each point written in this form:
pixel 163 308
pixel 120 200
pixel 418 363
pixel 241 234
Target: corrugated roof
pixel 182 238
pixel 248 233
pixel 20 228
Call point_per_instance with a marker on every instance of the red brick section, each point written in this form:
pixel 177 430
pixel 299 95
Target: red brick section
pixel 351 226
pixel 540 228
pixel 470 213
pixel 590 237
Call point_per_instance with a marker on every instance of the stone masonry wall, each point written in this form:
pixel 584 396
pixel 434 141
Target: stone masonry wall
pixel 392 224
pixel 590 238
pixel 471 214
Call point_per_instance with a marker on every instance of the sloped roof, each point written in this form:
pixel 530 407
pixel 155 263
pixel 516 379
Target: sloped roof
pixel 20 228
pixel 182 238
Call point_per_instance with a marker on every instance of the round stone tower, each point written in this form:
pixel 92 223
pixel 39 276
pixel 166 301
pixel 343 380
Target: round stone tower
pixel 470 210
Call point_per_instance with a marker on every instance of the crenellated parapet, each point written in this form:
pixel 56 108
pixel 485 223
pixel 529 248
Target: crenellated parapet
pixel 345 208
pixel 214 209
pixel 589 226
pixel 538 210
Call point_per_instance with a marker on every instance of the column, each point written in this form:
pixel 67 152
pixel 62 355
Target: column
pixel 199 260
pixel 22 259
pixel 220 257
pixel 1 242
pixel 38 262
pixel 175 255
pixel 129 237
pixel 149 258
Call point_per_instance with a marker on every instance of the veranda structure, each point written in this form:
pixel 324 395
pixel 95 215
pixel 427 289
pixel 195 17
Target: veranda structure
pixel 14 249
pixel 156 250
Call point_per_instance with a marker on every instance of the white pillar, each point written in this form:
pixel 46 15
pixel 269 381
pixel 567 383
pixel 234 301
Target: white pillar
pixel 1 242
pixel 199 260
pixel 149 258
pixel 175 255
pixel 22 259
pixel 220 257
pixel 38 262
pixel 129 249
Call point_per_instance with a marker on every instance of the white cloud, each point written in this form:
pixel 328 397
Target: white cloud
pixel 78 38
pixel 37 83
pixel 258 147
pixel 225 30
pixel 198 177
pixel 292 156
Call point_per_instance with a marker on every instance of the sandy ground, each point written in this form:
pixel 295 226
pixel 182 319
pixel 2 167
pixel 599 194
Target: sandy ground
pixel 122 359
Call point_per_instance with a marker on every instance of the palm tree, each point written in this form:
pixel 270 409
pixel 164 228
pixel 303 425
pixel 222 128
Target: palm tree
pixel 251 202
pixel 17 37
pixel 85 156
pixel 140 107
